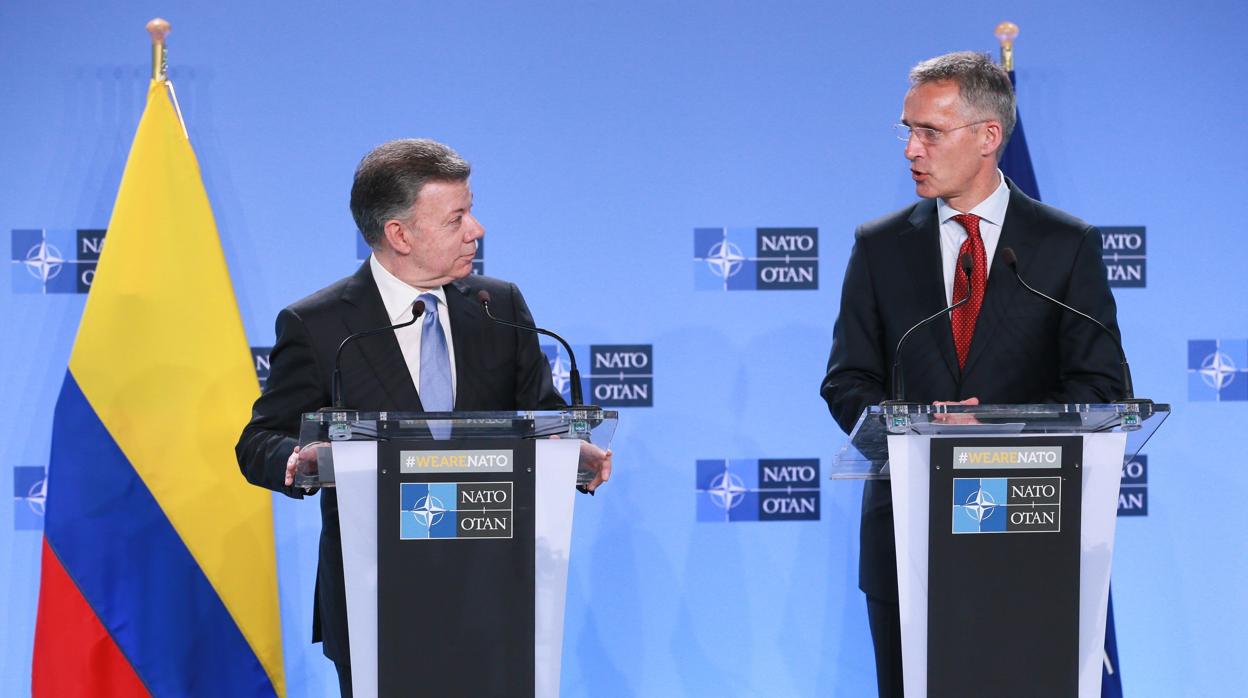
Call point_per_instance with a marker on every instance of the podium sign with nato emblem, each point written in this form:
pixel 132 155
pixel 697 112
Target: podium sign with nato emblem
pixel 456 536
pixel 1003 566
pixel 455 567
pixel 1004 521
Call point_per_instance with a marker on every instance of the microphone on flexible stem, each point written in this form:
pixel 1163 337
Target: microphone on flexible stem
pixel 967 265
pixel 418 309
pixel 574 375
pixel 1011 261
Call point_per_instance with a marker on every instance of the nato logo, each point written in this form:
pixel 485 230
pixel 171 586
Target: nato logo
pixel 1217 370
pixel 755 259
pixel 30 491
pixel 1133 493
pixel 1007 504
pixel 758 489
pixel 617 375
pixel 55 261
pixel 433 510
pixel 362 251
pixel 260 359
pixel 1123 251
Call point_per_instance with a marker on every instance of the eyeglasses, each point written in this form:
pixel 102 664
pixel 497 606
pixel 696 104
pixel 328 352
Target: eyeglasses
pixel 928 136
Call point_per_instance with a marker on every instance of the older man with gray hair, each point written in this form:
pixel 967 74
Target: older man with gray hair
pixel 1002 345
pixel 412 203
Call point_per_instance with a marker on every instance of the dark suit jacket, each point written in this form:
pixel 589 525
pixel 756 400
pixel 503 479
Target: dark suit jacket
pixel 497 368
pixel 1025 349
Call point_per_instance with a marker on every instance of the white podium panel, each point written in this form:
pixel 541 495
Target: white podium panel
pixel 1102 471
pixel 355 464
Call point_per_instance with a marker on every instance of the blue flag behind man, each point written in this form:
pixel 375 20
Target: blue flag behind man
pixel 1016 160
pixel 1016 164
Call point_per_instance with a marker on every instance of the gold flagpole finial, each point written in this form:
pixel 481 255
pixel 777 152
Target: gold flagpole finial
pixel 159 29
pixel 1006 33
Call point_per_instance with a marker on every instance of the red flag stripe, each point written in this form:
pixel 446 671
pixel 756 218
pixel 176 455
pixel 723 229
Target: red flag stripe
pixel 68 634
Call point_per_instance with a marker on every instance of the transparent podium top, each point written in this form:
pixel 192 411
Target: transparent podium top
pixel 319 429
pixel 865 455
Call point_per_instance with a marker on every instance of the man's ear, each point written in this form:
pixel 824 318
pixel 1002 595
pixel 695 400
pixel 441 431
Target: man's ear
pixel 397 236
pixel 993 135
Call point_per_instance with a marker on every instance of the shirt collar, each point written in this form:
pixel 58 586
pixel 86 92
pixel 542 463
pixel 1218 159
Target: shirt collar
pixel 396 294
pixel 991 209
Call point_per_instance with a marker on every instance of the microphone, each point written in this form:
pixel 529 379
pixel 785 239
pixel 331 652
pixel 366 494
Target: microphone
pixel 578 402
pixel 1011 260
pixel 967 265
pixel 418 309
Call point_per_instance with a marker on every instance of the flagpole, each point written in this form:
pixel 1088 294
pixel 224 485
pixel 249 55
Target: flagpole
pixel 159 29
pixel 1015 162
pixel 1006 33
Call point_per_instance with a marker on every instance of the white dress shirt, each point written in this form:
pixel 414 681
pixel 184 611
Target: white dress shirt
pixel 991 212
pixel 398 297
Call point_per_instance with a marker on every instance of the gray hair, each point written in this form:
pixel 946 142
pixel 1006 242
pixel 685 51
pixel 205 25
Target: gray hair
pixel 389 179
pixel 984 87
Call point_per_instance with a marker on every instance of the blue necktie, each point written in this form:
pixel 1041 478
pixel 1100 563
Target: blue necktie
pixel 435 361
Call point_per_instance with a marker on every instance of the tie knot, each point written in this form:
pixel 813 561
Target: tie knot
pixel 431 304
pixel 970 221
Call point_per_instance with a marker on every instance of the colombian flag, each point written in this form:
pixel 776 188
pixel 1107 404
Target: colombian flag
pixel 159 572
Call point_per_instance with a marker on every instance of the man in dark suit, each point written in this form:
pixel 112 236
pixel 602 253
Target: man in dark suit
pixel 1004 345
pixel 412 203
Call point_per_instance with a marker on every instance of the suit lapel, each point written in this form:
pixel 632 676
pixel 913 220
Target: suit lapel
pixel 921 248
pixel 381 352
pixel 1017 231
pixel 467 326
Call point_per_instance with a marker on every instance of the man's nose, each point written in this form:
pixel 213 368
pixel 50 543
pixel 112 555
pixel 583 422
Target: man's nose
pixel 476 231
pixel 914 147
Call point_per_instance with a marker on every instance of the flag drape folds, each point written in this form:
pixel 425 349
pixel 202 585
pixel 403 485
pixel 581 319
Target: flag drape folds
pixel 159 572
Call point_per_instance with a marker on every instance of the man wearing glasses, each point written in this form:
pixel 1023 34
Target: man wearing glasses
pixel 1003 345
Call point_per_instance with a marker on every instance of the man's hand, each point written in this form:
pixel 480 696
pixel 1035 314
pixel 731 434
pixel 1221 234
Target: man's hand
pixel 598 462
pixel 301 461
pixel 956 418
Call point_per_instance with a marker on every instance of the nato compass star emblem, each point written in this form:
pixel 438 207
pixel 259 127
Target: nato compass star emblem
pixel 37 496
pixel 980 505
pixel 1217 370
pixel 727 490
pixel 559 374
pixel 724 259
pixel 44 261
pixel 428 511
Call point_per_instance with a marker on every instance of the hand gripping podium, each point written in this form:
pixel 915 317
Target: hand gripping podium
pixel 456 533
pixel 1004 521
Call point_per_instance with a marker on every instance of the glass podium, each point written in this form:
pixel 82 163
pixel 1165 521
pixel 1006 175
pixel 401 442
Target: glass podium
pixel 459 521
pixel 321 429
pixel 996 509
pixel 865 455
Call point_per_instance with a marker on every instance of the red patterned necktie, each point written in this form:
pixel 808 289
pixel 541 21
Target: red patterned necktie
pixel 964 317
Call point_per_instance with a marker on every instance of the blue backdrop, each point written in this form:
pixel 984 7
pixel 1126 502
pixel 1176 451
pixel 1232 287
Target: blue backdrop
pixel 602 136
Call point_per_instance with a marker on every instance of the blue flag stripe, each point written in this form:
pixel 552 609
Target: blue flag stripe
pixel 134 570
